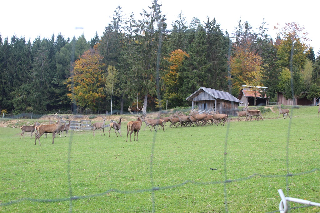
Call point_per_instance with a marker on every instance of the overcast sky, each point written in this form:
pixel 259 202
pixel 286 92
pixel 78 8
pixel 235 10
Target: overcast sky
pixel 40 18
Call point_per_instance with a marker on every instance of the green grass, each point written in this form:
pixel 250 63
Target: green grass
pixel 188 167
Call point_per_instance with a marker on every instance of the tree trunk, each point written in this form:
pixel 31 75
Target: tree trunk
pixel 121 104
pixel 145 102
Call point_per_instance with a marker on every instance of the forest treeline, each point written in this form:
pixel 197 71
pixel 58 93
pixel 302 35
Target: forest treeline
pixel 144 59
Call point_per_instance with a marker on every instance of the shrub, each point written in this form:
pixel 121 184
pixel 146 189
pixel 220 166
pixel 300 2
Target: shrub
pixel 92 117
pixel 264 110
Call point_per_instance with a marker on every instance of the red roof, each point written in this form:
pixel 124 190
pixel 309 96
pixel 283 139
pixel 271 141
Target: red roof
pixel 251 93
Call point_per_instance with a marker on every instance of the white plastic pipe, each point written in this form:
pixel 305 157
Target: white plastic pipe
pixel 283 207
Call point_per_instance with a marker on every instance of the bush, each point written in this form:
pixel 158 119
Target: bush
pixel 264 110
pixel 92 117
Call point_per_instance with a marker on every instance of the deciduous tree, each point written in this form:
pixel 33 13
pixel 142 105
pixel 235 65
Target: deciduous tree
pixel 171 76
pixel 245 68
pixel 87 84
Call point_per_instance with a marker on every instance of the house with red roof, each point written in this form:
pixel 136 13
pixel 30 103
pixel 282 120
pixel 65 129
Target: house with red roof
pixel 253 96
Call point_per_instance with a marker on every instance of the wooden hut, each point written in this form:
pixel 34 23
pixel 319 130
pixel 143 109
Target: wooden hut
pixel 253 96
pixel 296 101
pixel 214 100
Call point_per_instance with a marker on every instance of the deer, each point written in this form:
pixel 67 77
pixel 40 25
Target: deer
pixel 184 120
pixel 65 127
pixel 256 113
pixel 253 112
pixel 116 126
pixel 165 120
pixel 199 117
pixel 152 123
pixel 134 126
pixel 174 120
pixel 47 128
pixel 99 125
pixel 243 113
pixel 27 129
pixel 284 111
pixel 192 121
pixel 210 118
pixel 220 118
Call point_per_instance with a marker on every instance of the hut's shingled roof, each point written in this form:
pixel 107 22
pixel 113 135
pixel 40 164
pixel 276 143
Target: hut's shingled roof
pixel 216 94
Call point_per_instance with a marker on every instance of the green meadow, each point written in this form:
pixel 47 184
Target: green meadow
pixel 234 168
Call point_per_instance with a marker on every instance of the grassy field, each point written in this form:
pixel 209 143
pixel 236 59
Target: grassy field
pixel 233 168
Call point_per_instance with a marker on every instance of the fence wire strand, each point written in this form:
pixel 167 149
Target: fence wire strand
pixel 154 188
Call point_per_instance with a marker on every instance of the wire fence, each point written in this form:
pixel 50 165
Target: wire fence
pixel 153 189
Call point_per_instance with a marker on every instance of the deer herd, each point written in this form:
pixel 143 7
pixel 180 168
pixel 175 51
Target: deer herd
pixel 194 118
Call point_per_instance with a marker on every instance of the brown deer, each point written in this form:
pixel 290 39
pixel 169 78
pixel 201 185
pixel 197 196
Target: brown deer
pixel 27 129
pixel 184 120
pixel 283 111
pixel 134 126
pixel 243 113
pixel 47 128
pixel 210 118
pixel 199 117
pixel 165 120
pixel 99 125
pixel 174 120
pixel 116 126
pixel 220 118
pixel 64 128
pixel 152 123
pixel 254 112
pixel 193 121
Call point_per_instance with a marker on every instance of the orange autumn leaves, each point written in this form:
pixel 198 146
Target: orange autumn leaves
pixel 171 76
pixel 245 67
pixel 88 81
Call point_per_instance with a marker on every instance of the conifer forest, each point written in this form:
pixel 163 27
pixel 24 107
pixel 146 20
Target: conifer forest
pixel 159 64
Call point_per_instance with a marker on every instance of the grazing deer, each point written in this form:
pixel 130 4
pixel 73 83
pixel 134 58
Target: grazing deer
pixel 283 111
pixel 99 125
pixel 116 126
